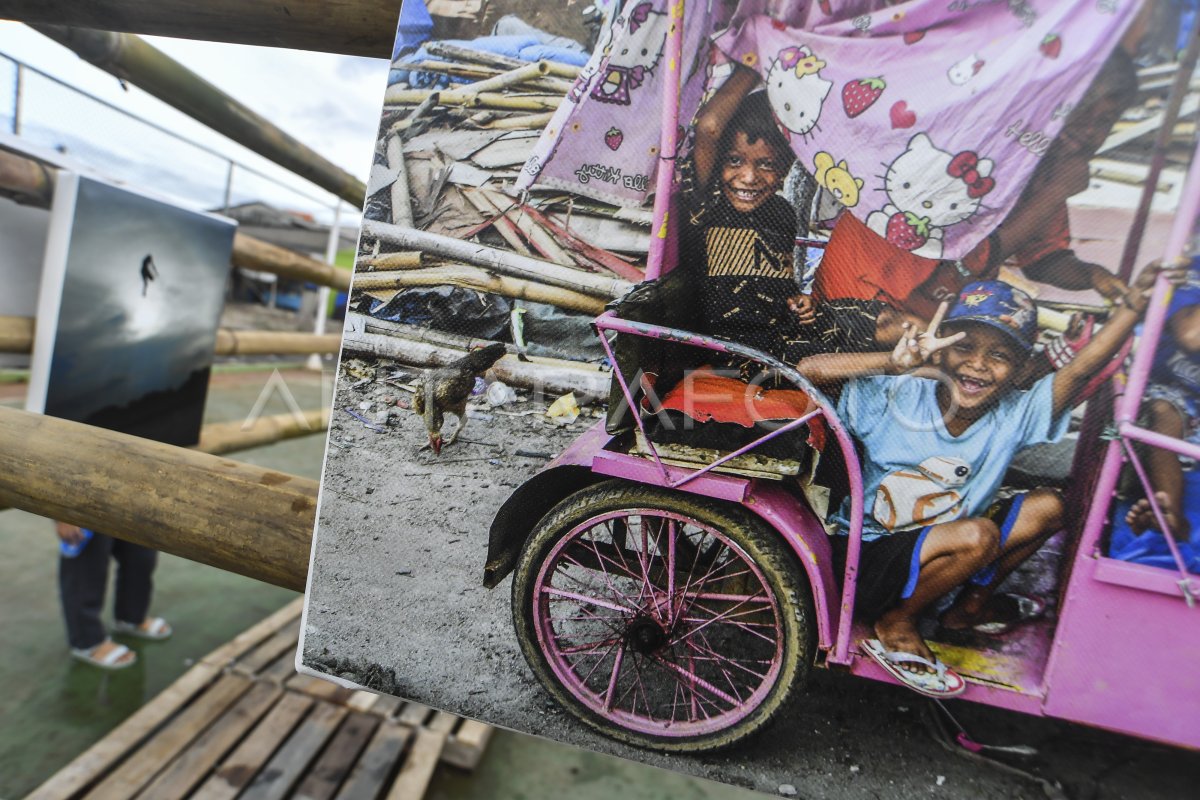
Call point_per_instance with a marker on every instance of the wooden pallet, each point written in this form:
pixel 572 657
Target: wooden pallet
pixel 242 723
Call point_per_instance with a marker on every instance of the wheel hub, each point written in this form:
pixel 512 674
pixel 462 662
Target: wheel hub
pixel 645 635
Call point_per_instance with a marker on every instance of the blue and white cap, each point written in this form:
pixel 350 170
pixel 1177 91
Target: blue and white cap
pixel 1000 305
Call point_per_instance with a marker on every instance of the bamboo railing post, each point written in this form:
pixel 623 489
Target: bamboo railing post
pixel 131 58
pixel 237 517
pixel 352 27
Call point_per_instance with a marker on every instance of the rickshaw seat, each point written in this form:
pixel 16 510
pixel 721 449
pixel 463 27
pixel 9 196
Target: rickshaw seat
pixel 705 396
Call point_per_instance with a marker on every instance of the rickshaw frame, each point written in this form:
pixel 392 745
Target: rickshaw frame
pixel 1119 611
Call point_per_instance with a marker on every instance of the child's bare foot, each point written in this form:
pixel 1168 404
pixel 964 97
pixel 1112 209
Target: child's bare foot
pixel 1141 517
pixel 898 633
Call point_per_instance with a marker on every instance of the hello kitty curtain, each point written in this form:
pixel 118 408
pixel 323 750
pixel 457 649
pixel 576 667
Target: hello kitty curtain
pixel 927 117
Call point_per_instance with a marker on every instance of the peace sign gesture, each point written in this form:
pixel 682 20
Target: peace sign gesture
pixel 913 351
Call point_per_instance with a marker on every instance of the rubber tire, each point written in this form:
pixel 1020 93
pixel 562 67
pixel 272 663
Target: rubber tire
pixel 764 545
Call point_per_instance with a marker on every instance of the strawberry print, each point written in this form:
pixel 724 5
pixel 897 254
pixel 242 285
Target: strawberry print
pixel 912 37
pixel 826 8
pixel 859 95
pixel 907 231
pixel 1051 46
pixel 613 138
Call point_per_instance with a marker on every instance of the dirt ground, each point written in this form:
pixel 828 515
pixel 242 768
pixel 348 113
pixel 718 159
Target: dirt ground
pixel 397 603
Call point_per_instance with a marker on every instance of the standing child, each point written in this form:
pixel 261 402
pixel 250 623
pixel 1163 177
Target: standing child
pixel 939 428
pixel 1172 408
pixel 741 235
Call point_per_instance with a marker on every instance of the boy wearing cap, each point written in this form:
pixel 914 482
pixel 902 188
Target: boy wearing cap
pixel 940 419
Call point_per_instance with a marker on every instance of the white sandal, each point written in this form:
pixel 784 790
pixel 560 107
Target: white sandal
pixel 112 661
pixel 154 629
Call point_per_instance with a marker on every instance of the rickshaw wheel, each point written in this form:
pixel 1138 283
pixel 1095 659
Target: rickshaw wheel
pixel 662 619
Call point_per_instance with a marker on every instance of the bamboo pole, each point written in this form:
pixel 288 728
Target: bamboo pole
pixel 522 374
pixel 481 280
pixel 455 52
pixel 393 261
pixel 230 437
pixel 478 72
pixel 501 261
pixel 24 180
pixel 401 201
pixel 362 322
pixel 16 336
pixel 531 122
pixel 352 27
pixel 237 517
pixel 511 78
pixel 539 237
pixel 252 253
pixel 131 58
pixel 399 96
pixel 278 343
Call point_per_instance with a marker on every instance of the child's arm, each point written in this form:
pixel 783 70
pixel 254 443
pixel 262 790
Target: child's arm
pixel 1069 380
pixel 911 352
pixel 1066 270
pixel 712 119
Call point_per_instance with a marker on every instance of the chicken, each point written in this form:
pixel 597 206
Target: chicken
pixel 447 389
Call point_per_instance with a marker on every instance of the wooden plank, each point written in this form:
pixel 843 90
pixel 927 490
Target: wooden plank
pixel 443 722
pixel 1190 104
pixel 280 670
pixel 466 747
pixel 414 776
pixel 100 757
pixel 414 714
pixel 283 643
pixel 386 705
pixel 362 700
pixel 338 759
pixel 195 762
pixel 136 771
pixel 320 689
pixel 276 779
pixel 236 771
pixel 377 763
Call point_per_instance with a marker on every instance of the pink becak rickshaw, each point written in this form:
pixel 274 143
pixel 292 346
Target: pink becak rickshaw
pixel 675 593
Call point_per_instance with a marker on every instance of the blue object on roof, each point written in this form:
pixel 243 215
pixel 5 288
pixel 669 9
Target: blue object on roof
pixel 415 27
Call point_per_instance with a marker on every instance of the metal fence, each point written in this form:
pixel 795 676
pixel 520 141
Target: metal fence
pixel 51 113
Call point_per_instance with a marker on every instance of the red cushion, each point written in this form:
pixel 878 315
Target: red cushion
pixel 707 397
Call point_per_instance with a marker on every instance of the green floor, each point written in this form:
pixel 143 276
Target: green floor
pixel 53 709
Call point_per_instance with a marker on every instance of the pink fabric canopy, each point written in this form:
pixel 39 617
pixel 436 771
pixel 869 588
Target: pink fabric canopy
pixel 927 117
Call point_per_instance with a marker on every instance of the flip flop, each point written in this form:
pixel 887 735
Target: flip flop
pixel 941 683
pixel 111 662
pixel 156 630
pixel 1025 609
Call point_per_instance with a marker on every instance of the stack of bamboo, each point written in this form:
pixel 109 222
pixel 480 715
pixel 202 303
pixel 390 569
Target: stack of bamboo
pixel 444 174
pixel 441 208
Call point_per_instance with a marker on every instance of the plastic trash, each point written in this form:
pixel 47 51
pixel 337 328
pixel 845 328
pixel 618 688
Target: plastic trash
pixel 564 410
pixel 500 393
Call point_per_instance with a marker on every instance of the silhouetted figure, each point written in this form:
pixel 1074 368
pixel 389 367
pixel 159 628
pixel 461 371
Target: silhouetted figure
pixel 149 273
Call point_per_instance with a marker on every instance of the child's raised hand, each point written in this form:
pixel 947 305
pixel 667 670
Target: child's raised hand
pixel 913 351
pixel 1138 296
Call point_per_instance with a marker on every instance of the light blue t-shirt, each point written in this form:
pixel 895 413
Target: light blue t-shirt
pixel 914 472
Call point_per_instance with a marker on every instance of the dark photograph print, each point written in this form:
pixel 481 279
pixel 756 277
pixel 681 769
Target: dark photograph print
pixel 801 395
pixel 132 289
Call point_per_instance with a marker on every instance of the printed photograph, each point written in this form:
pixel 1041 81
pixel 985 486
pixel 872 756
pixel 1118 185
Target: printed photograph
pixel 721 382
pixel 149 276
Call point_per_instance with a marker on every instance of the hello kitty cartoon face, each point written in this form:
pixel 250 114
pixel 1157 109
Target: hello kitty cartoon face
pixel 930 189
pixel 964 70
pixel 796 90
pixel 634 50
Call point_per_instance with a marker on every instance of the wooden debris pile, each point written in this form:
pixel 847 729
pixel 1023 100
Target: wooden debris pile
pixel 1125 156
pixel 460 149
